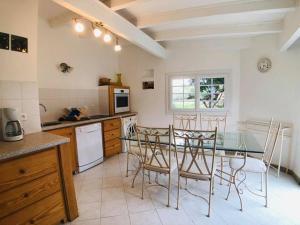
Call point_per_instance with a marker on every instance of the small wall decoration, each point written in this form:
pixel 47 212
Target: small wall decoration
pixel 264 65
pixel 19 44
pixel 4 41
pixel 148 79
pixel 65 68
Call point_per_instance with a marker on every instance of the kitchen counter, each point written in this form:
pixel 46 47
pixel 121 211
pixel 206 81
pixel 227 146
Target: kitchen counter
pixel 82 122
pixel 30 144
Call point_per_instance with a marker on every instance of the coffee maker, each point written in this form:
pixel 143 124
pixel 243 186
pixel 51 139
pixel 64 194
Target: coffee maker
pixel 11 129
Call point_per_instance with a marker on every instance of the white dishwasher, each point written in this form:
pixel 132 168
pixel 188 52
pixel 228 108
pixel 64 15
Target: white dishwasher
pixel 89 146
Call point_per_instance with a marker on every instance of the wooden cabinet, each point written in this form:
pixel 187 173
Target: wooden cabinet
pixel 69 133
pixel 111 134
pixel 31 190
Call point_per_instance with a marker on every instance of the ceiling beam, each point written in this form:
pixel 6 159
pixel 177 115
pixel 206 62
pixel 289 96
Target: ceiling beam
pixel 121 4
pixel 291 32
pixel 250 7
pixel 97 11
pixel 218 31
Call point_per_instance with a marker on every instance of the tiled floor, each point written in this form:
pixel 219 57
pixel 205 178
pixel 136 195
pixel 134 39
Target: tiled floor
pixel 105 197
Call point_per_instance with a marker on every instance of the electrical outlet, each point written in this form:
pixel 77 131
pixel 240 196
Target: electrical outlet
pixel 23 116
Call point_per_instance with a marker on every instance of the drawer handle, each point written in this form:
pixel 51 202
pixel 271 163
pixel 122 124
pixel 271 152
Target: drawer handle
pixel 25 195
pixel 22 171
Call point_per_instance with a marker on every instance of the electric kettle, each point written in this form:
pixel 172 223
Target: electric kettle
pixel 11 129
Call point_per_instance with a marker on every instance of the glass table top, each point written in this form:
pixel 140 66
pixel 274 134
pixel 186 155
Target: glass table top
pixel 239 141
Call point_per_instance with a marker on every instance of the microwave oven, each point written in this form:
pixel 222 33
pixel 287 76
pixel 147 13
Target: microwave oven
pixel 113 100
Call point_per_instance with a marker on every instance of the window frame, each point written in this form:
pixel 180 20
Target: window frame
pixel 197 76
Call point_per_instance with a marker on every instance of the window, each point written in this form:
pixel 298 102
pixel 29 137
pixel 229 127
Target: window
pixel 212 93
pixel 198 92
pixel 183 93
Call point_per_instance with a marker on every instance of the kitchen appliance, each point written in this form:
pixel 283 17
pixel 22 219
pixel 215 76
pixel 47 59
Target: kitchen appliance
pixel 89 146
pixel 113 99
pixel 121 100
pixel 11 129
pixel 127 129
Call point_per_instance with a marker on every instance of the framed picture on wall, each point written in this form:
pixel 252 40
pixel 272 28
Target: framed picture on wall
pixel 19 44
pixel 148 79
pixel 4 41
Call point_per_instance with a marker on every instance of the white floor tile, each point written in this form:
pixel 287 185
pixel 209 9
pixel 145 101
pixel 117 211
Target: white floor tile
pixel 116 220
pixel 114 208
pixel 105 197
pixel 145 218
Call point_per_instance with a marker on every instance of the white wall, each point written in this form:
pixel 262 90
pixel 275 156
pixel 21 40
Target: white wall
pixel 274 94
pixel 18 76
pixel 89 57
pixel 19 17
pixel 182 57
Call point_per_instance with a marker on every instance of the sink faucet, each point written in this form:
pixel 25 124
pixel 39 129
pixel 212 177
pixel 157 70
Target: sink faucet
pixel 44 107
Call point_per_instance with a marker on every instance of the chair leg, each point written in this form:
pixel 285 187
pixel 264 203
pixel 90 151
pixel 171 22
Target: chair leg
pixel 127 166
pixel 169 187
pixel 137 172
pixel 143 170
pixel 266 189
pixel 213 186
pixel 210 193
pixel 178 187
pixel 149 175
pixel 222 166
pixel 261 181
pixel 230 183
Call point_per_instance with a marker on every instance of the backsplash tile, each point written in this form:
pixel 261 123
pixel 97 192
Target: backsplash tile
pixel 56 100
pixel 22 96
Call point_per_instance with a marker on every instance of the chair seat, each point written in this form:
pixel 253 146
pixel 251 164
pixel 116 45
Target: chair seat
pixel 161 168
pixel 252 165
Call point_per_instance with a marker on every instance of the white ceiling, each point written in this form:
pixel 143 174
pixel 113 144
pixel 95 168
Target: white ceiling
pixel 170 20
pixel 146 14
pixel 148 7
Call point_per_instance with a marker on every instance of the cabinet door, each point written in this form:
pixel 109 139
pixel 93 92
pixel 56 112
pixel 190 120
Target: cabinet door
pixel 69 133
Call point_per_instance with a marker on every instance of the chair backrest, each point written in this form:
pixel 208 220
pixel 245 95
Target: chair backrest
pixel 195 144
pixel 129 131
pixel 185 121
pixel 155 146
pixel 271 142
pixel 210 121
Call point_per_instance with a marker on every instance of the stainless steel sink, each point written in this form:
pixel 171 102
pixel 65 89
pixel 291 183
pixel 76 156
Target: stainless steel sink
pixel 51 123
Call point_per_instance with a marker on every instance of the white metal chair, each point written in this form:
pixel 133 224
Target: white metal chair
pixel 209 122
pixel 130 146
pixel 185 121
pixel 189 165
pixel 155 154
pixel 258 165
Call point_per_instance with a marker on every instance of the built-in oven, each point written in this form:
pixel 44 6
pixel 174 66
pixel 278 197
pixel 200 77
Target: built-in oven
pixel 121 97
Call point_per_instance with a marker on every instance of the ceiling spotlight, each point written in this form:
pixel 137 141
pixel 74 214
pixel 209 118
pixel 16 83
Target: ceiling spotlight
pixel 118 47
pixel 107 37
pixel 79 27
pixel 96 30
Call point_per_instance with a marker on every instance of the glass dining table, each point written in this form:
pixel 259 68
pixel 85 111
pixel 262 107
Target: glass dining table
pixel 236 144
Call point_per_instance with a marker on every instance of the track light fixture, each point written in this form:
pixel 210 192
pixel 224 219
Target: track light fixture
pixel 118 47
pixel 79 27
pixel 97 29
